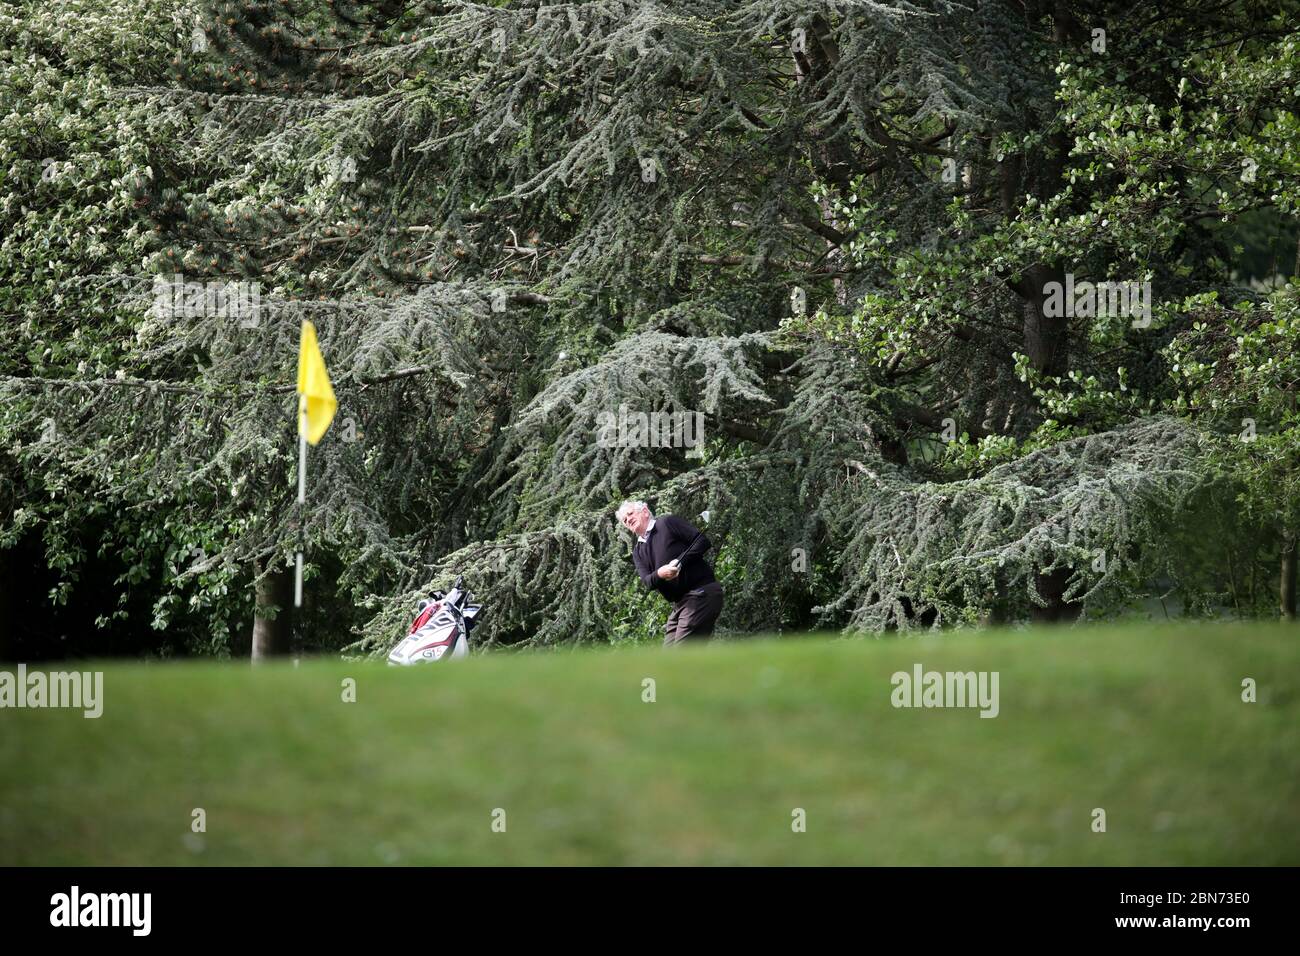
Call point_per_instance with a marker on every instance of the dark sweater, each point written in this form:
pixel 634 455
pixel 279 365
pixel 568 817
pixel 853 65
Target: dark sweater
pixel 668 539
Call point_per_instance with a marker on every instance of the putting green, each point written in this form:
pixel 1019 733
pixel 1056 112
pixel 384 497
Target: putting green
pixel 559 758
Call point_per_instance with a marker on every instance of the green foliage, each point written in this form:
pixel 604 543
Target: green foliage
pixel 830 232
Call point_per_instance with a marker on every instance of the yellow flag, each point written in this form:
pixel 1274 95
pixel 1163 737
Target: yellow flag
pixel 316 402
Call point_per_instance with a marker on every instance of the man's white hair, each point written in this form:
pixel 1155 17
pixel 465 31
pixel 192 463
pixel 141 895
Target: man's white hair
pixel 630 506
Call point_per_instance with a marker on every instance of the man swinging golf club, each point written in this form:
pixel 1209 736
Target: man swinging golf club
pixel 669 558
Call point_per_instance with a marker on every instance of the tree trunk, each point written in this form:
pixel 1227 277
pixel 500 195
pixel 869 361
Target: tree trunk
pixel 1046 337
pixel 271 634
pixel 1286 586
pixel 1052 588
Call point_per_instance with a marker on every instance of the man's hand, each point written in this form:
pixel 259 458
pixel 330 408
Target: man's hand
pixel 668 571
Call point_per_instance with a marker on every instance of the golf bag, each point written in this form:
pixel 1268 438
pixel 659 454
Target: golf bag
pixel 440 630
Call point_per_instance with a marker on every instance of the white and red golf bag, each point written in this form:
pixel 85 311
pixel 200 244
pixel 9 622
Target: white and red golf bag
pixel 440 630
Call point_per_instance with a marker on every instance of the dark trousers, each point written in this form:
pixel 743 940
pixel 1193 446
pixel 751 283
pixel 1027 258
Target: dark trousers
pixel 694 615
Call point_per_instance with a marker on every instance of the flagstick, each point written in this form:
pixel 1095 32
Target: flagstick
pixel 302 500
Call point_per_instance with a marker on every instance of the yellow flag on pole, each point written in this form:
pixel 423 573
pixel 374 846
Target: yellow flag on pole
pixel 316 402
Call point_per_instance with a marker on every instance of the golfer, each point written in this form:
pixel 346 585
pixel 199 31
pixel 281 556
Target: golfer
pixel 669 558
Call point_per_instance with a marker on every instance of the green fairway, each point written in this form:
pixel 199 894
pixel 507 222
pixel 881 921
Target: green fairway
pixel 1145 723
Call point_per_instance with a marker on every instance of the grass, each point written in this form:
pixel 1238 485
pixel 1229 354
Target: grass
pixel 1146 723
